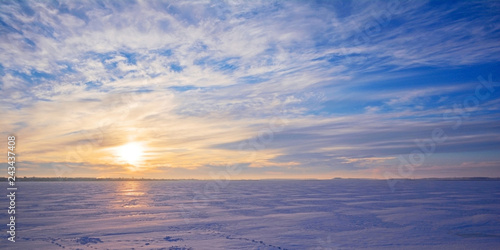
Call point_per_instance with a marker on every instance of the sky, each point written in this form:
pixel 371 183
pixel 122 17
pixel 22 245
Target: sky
pixel 251 89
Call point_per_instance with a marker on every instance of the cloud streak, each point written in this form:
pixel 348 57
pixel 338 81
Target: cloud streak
pixel 357 82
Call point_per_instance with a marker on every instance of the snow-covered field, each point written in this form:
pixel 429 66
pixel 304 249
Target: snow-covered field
pixel 335 214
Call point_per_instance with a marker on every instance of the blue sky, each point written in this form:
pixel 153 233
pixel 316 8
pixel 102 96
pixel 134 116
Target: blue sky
pixel 252 89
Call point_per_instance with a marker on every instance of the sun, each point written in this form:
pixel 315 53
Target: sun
pixel 131 153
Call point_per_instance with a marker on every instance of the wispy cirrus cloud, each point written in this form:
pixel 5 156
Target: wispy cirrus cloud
pixel 357 82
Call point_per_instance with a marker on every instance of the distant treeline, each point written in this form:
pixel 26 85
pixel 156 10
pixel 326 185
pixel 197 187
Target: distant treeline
pixel 82 179
pixel 148 179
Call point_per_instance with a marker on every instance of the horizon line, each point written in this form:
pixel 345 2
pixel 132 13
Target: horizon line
pixel 33 178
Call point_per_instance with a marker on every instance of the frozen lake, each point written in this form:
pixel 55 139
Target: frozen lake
pixel 335 214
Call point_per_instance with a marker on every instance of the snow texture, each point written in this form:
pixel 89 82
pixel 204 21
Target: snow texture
pixel 334 214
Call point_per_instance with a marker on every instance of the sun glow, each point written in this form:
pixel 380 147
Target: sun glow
pixel 131 153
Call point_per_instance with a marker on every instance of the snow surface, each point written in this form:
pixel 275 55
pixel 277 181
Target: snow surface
pixel 334 214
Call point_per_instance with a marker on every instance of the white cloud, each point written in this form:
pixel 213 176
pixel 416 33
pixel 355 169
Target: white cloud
pixel 192 75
